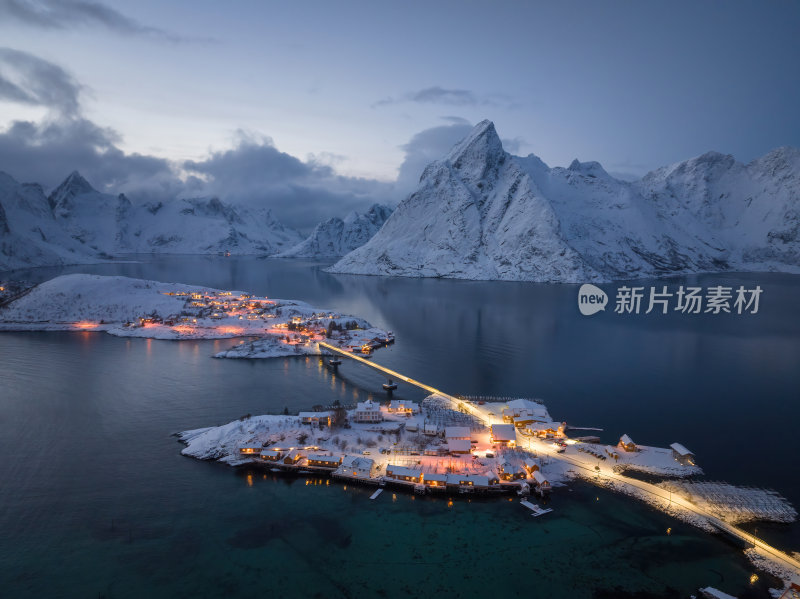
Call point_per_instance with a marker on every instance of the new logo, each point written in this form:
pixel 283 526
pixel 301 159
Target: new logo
pixel 591 299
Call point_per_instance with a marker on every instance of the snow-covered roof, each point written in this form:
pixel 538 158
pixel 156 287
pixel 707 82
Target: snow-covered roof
pixel 314 414
pixel 315 457
pixel 349 460
pixel 271 453
pixel 459 445
pixel 452 432
pixel 396 404
pixel 465 479
pixel 543 426
pixel 610 450
pixel 539 477
pixel 357 461
pixel 626 440
pixel 681 450
pixel 523 404
pixel 504 432
pixel 367 406
pixel 433 476
pixel 403 471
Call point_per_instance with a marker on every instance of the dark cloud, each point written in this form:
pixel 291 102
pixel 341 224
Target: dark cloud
pixel 27 79
pixel 425 147
pixel 299 193
pixel 46 152
pixel 62 14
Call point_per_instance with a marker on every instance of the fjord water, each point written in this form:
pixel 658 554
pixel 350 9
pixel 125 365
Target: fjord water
pixel 96 500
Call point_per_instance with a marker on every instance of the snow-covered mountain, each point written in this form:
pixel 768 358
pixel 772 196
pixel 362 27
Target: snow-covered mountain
pixel 76 224
pixel 481 213
pixel 29 233
pixel 336 237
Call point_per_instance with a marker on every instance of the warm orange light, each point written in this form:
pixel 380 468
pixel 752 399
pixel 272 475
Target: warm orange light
pixel 85 325
pixel 231 330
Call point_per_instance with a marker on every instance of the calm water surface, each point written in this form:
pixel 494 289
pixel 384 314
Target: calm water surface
pixel 97 501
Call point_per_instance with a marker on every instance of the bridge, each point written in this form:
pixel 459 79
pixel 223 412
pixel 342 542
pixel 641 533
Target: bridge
pixel 457 404
pixel 785 560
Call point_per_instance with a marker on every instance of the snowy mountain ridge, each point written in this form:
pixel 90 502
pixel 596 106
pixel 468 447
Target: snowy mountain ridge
pixel 481 213
pixel 78 224
pixel 336 237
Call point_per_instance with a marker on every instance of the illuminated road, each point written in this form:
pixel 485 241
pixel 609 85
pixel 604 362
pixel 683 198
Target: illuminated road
pixel 457 403
pixel 784 559
pixel 488 418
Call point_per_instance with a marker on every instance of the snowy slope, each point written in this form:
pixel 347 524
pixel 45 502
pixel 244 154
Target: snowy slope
pixel 29 233
pixel 78 224
pixel 481 213
pixel 336 237
pixel 115 304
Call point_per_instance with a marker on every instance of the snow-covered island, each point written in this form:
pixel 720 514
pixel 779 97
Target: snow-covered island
pixel 129 307
pixel 460 446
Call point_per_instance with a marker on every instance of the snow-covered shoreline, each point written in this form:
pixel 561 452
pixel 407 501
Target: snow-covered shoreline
pixel 127 307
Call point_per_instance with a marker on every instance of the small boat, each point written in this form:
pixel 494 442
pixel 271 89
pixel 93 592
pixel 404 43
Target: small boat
pixel 390 386
pixel 335 362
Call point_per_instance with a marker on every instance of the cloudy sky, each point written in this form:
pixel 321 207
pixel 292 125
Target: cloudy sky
pixel 321 107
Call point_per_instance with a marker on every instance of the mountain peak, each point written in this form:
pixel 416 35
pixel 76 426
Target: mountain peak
pixel 76 182
pixel 73 185
pixel 480 149
pixel 588 169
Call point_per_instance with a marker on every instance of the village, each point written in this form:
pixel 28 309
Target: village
pixel 289 322
pixel 429 447
pixel 488 446
pixel 127 307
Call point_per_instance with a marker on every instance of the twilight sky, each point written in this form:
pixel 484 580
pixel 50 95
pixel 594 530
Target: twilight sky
pixel 322 107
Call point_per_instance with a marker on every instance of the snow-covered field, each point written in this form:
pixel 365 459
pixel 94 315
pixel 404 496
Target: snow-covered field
pixel 138 308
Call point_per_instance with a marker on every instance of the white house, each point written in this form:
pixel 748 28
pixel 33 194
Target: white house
pixel 358 466
pixel 367 411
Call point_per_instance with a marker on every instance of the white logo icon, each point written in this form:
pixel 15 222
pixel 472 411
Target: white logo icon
pixel 591 299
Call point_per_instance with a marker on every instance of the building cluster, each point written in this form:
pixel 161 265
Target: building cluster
pixel 457 453
pixel 369 412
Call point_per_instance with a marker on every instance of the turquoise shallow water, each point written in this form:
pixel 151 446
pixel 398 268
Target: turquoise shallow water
pixel 97 501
